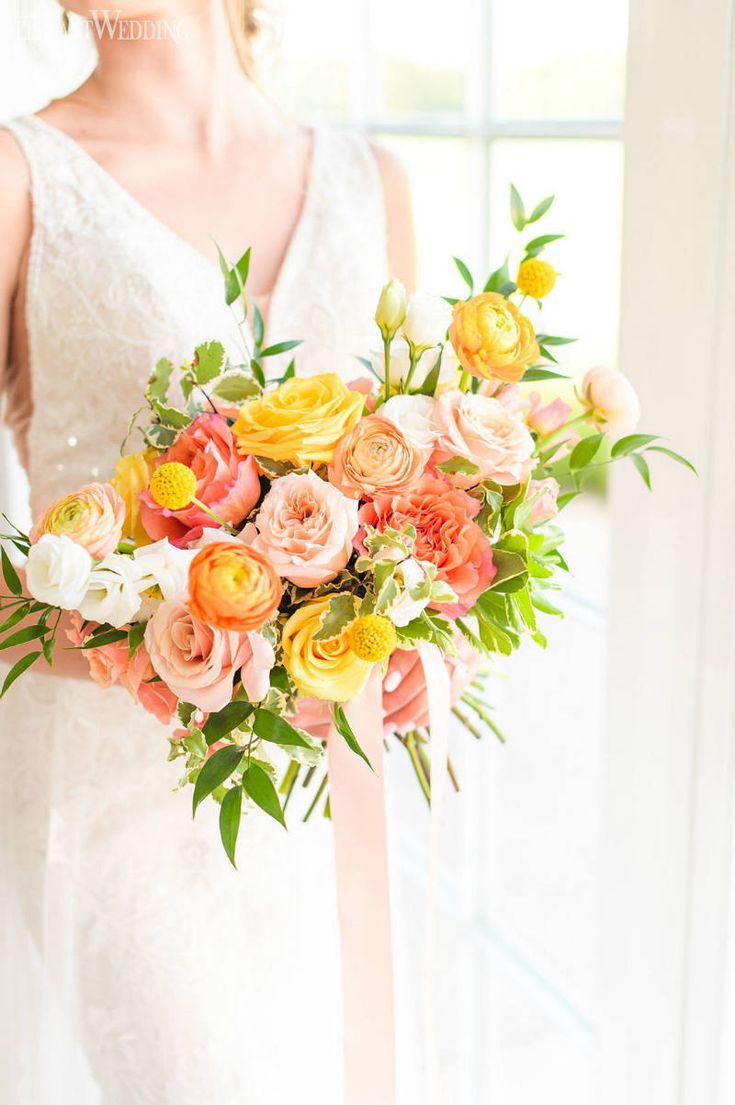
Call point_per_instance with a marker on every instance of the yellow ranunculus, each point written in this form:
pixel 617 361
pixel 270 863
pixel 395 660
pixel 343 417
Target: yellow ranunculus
pixel 132 475
pixel 301 421
pixel 492 338
pixel 328 670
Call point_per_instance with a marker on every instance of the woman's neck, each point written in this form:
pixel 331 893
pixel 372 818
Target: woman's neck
pixel 176 79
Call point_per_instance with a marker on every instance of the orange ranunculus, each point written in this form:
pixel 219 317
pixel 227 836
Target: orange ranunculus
pixel 375 456
pixel 232 586
pixel 492 338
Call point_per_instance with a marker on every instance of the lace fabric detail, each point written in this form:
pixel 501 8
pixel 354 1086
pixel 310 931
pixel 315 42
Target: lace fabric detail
pixel 148 971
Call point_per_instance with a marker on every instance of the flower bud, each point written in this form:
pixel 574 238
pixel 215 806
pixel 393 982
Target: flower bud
pixel 391 309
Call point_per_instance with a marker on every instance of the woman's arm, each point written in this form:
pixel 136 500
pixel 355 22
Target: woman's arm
pixel 398 217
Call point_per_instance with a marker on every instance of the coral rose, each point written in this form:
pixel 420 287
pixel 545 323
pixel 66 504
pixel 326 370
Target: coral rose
pixel 199 662
pixel 225 482
pixel 446 536
pixel 93 516
pixel 305 529
pixel 480 429
pixel 492 338
pixel 300 422
pixel 375 457
pixel 233 587
pixel 322 669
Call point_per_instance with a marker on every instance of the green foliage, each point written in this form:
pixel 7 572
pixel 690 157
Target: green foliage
pixel 216 770
pixel 230 817
pixel 340 613
pixel 259 786
pixel 220 724
pixel 465 273
pixel 344 729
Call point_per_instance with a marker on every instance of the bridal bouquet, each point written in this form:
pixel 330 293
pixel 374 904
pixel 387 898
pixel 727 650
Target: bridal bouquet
pixel 276 539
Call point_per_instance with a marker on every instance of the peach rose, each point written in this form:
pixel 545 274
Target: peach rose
pixel 227 483
pixel 611 400
pixel 305 529
pixel 544 494
pixel 233 587
pixel 446 536
pixel 112 664
pixel 199 662
pixel 479 429
pixel 375 457
pixel 492 338
pixel 546 418
pixel 93 517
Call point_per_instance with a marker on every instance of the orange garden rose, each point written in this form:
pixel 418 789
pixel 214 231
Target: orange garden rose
pixel 93 517
pixel 375 456
pixel 233 587
pixel 492 338
pixel 301 421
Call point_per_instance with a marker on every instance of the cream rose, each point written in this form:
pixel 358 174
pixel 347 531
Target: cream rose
pixel 113 591
pixel 480 429
pixel 58 571
pixel 427 320
pixel 305 528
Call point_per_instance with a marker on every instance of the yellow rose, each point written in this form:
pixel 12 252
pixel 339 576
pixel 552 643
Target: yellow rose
pixel 321 669
pixel 132 475
pixel 492 338
pixel 301 421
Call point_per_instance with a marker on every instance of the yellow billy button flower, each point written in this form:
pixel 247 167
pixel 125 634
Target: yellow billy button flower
pixel 372 637
pixel 173 485
pixel 536 278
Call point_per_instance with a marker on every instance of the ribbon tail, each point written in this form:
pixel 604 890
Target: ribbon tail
pixel 439 700
pixel 357 803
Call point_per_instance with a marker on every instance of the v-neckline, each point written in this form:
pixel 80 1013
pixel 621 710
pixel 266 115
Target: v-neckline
pixel 145 213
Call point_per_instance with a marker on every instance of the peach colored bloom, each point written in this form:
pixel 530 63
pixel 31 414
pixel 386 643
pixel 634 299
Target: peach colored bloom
pixel 546 418
pixel 199 662
pixel 93 516
pixel 544 493
pixel 479 429
pixel 233 587
pixel 305 529
pixel 227 483
pixel 446 536
pixel 611 400
pixel 375 457
pixel 492 337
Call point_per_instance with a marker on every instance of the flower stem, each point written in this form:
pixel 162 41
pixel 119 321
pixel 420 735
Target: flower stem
pixel 218 520
pixel 417 766
pixel 317 796
pixel 386 363
pixel 413 360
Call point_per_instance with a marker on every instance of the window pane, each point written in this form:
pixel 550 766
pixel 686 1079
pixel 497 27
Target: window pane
pixel 315 57
pixel 586 178
pixel 560 60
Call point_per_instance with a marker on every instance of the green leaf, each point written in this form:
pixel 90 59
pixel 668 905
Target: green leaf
pixel 279 347
pixel 208 361
pixel 465 273
pixel 23 636
pixel 517 210
pixel 185 712
pixel 510 565
pixel 629 444
pixel 642 465
pixel 136 633
pixel 540 209
pixel 270 727
pixel 107 637
pixel 11 577
pixel 258 326
pixel 431 382
pixel 257 370
pixel 258 785
pixel 17 670
pixel 236 277
pixel 215 771
pixel 344 729
pixel 550 339
pixel 498 279
pixel 459 464
pixel 159 381
pixel 674 456
pixel 542 603
pixel 533 374
pixel 340 613
pixel 235 386
pixel 170 417
pixel 536 245
pixel 230 717
pixel 584 451
pixel 17 616
pixel 230 816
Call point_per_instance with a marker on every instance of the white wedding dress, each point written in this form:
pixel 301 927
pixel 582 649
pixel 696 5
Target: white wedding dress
pixel 138 968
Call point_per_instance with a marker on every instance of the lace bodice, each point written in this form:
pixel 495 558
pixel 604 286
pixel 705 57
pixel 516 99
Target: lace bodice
pixel 111 288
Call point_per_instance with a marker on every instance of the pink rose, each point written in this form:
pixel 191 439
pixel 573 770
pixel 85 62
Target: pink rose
pixel 305 528
pixel 226 482
pixel 544 494
pixel 480 430
pixel 446 536
pixel 93 517
pixel 199 662
pixel 112 664
pixel 611 400
pixel 546 418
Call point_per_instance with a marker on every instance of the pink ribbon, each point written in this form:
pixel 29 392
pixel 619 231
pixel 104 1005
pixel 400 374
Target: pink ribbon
pixel 357 802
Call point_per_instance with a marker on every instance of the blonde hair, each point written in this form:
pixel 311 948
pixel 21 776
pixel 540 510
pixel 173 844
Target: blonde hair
pixel 244 17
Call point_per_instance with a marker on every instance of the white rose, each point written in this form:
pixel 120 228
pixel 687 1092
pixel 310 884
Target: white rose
pixel 409 575
pixel 113 593
pixel 58 571
pixel 414 417
pixel 164 566
pixel 399 364
pixel 611 399
pixel 427 320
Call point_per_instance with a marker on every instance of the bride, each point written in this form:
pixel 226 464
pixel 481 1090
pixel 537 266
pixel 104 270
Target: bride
pixel 137 967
